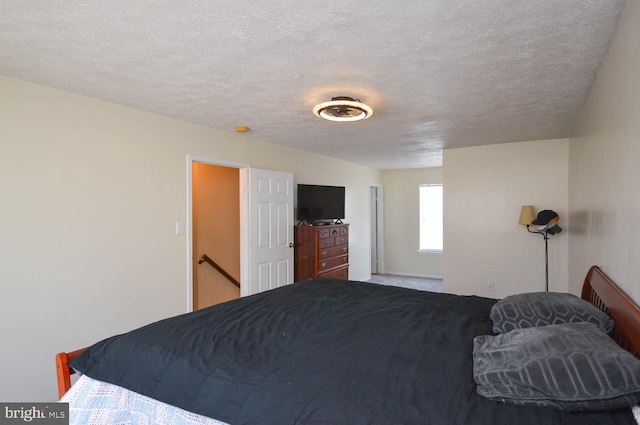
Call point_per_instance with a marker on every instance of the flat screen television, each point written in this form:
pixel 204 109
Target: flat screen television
pixel 320 204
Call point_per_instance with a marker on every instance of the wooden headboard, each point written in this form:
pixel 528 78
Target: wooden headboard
pixel 600 291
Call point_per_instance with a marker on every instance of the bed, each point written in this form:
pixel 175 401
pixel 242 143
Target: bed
pixel 325 351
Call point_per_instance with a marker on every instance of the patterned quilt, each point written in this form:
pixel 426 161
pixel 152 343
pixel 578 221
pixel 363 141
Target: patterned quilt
pixel 98 403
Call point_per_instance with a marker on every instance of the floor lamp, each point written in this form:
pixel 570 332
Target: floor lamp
pixel 547 225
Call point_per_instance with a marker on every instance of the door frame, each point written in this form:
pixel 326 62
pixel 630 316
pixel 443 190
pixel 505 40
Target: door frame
pixel 378 226
pixel 244 218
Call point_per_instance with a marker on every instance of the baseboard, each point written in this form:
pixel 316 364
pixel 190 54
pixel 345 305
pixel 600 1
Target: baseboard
pixel 412 275
pixel 364 279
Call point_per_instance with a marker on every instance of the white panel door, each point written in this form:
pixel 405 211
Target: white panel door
pixel 271 230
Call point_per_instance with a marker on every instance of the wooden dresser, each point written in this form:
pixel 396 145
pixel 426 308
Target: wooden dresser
pixel 321 251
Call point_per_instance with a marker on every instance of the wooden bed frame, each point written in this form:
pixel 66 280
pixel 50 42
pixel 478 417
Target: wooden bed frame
pixel 598 289
pixel 64 372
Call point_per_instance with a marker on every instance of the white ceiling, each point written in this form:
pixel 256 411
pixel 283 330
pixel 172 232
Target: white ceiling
pixel 439 74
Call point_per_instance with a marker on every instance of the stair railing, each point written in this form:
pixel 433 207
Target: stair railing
pixel 205 259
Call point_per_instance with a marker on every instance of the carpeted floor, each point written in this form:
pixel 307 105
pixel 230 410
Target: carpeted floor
pixel 419 283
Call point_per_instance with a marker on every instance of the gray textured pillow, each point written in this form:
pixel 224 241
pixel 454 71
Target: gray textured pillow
pixel 573 367
pixel 545 308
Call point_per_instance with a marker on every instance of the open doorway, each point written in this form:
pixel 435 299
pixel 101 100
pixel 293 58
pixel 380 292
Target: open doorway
pixel 216 207
pixel 216 234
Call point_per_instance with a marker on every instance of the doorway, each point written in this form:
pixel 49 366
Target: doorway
pixel 217 236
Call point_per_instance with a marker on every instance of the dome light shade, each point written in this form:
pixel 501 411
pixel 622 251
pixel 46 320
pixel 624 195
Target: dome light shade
pixel 343 109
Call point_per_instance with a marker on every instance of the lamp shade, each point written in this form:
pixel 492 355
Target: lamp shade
pixel 527 215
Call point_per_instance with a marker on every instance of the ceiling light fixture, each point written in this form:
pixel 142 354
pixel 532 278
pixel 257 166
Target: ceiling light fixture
pixel 343 109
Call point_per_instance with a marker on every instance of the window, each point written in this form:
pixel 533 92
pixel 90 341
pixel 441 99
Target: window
pixel 431 217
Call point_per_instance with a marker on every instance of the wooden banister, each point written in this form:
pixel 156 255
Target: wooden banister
pixel 205 259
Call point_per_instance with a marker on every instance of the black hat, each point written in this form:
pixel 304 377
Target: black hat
pixel 545 217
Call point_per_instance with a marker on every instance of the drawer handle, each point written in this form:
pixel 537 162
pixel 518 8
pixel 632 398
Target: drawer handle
pixel 323 264
pixel 344 260
pixel 323 253
pixel 344 249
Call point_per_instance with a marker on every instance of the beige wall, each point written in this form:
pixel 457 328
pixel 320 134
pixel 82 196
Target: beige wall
pixel 402 221
pixel 605 166
pixel 91 193
pixel 484 189
pixel 216 225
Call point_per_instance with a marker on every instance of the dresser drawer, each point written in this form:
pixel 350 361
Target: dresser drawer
pixel 341 273
pixel 341 240
pixel 332 262
pixel 326 243
pixel 333 252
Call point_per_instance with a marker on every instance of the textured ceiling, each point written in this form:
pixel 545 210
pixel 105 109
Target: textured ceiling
pixel 439 74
